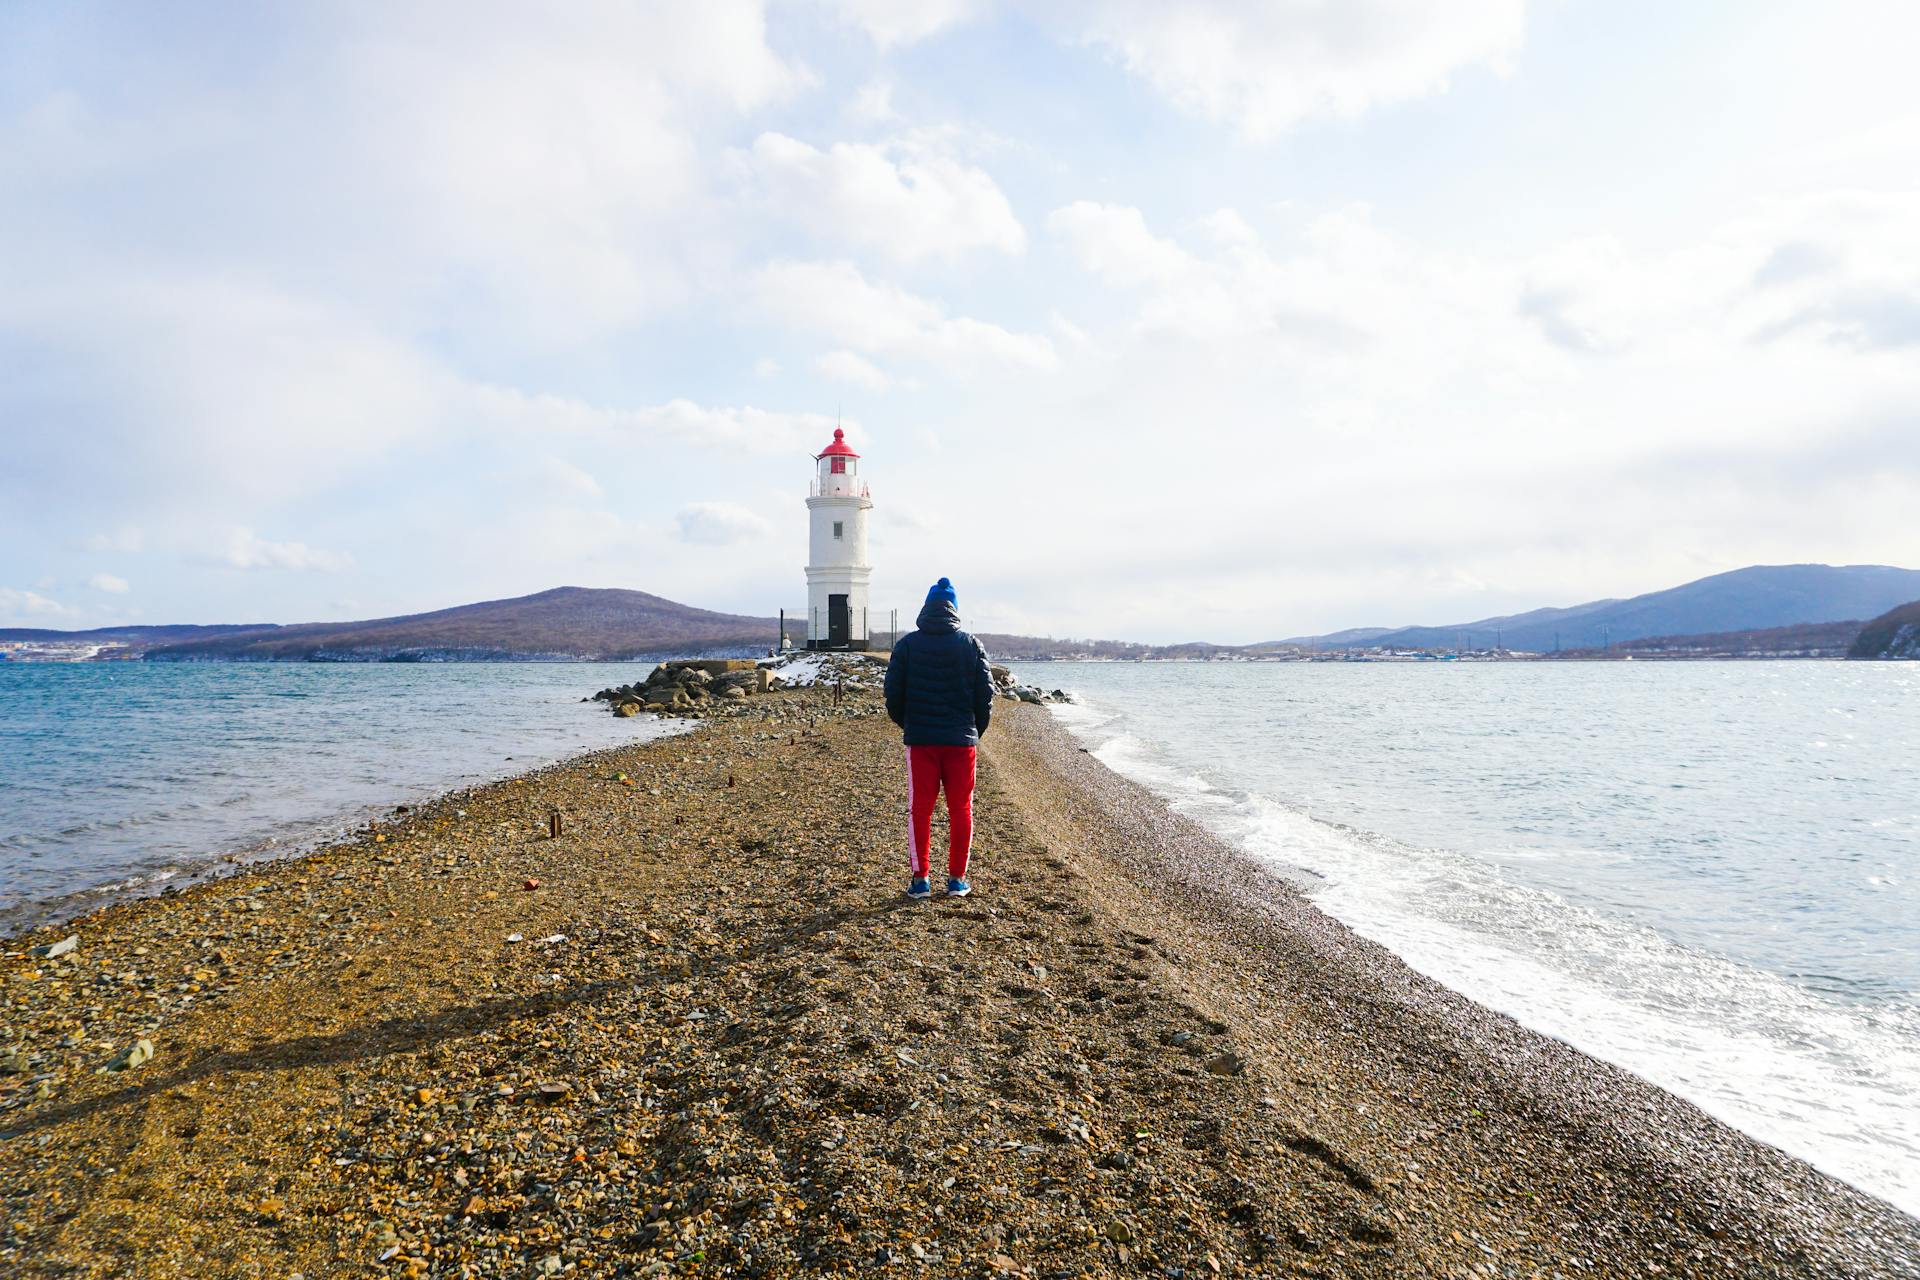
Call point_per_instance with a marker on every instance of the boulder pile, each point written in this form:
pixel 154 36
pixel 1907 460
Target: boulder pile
pixel 689 685
pixel 697 686
pixel 1007 687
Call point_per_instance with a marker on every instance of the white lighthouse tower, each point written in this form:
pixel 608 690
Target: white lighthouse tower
pixel 837 568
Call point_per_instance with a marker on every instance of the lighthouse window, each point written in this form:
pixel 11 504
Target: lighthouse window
pixel 839 466
pixel 836 528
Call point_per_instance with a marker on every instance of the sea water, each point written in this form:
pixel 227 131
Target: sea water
pixel 128 777
pixel 1707 873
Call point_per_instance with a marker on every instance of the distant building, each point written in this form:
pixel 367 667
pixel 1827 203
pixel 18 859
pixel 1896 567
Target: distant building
pixel 837 568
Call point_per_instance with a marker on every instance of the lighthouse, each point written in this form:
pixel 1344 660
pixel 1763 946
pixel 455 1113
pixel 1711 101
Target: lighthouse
pixel 837 568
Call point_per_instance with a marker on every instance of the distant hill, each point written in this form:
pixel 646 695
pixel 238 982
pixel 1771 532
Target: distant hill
pixel 1803 640
pixel 1894 634
pixel 566 622
pixel 1751 599
pixel 129 636
pixel 1333 639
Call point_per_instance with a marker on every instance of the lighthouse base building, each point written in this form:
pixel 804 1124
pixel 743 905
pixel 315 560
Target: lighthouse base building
pixel 837 568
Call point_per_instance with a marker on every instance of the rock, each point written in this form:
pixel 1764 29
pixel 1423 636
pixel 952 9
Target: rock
pixel 552 1092
pixel 1227 1064
pixel 60 948
pixel 139 1053
pixel 1119 1232
pixel 1027 693
pixel 627 709
pixel 551 1265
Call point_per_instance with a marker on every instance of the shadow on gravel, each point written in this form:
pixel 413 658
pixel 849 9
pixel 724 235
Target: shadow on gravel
pixel 408 1034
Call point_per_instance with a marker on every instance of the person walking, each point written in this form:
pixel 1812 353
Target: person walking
pixel 940 692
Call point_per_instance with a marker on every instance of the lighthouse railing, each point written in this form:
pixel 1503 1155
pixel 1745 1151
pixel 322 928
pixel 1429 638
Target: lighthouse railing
pixel 844 489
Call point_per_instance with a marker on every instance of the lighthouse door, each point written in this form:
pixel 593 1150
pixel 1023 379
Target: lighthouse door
pixel 837 621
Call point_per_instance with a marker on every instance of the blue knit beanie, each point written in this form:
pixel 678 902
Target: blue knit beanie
pixel 942 590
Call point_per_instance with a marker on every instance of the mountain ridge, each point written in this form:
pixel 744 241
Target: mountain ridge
pixel 1754 598
pixel 590 623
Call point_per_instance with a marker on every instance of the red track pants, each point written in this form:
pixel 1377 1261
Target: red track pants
pixel 929 769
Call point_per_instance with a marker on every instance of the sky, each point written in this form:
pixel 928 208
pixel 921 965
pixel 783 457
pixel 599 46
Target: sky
pixel 1152 321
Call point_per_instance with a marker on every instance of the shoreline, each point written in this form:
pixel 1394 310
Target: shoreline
pixel 1134 1047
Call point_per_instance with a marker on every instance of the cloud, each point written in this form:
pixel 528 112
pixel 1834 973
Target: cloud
pixel 719 524
pixel 891 22
pixel 561 479
pixel 245 549
pixel 845 366
pixel 127 538
pixel 33 605
pixel 907 200
pixel 835 299
pixel 547 178
pixel 873 104
pixel 1267 67
pixel 1238 291
pixel 1113 242
pixel 761 432
pixel 110 583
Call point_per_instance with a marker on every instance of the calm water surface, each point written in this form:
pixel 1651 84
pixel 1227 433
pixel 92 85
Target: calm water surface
pixel 129 776
pixel 1708 872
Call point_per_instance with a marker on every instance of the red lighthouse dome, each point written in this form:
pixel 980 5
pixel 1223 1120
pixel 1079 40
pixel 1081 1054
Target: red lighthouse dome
pixel 839 448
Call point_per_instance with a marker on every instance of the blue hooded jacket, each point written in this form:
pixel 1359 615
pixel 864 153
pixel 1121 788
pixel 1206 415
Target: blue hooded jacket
pixel 939 688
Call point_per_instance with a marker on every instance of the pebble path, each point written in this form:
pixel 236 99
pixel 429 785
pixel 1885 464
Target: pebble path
pixel 702 1032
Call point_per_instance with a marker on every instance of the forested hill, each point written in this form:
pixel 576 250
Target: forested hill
pixel 566 622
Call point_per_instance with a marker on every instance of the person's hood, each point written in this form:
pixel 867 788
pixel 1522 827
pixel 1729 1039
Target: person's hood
pixel 939 616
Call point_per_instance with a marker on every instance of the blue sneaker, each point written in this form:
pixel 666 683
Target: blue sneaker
pixel 919 888
pixel 957 887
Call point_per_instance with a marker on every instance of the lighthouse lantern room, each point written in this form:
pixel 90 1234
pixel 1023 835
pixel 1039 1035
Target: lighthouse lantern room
pixel 837 568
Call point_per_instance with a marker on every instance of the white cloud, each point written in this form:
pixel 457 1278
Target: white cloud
pixel 1268 66
pixel 891 22
pixel 720 524
pixel 110 583
pixel 1328 295
pixel 32 605
pixel 762 432
pixel 845 366
pixel 127 538
pixel 549 174
pixel 1113 242
pixel 245 549
pixel 561 479
pixel 766 367
pixel 874 103
pixel 834 299
pixel 908 200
